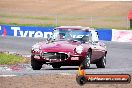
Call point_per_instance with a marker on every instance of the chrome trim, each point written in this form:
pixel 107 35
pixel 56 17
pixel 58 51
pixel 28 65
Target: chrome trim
pixel 54 55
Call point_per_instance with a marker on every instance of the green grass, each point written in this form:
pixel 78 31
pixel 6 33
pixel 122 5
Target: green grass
pixel 54 25
pixel 27 17
pixel 51 21
pixel 9 59
pixel 18 24
pixel 49 18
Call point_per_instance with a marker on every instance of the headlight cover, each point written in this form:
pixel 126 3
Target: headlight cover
pixel 36 47
pixel 79 49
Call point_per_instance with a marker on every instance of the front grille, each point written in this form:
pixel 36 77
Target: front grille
pixel 54 55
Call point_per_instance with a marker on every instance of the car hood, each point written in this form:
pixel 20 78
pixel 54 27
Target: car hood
pixel 59 46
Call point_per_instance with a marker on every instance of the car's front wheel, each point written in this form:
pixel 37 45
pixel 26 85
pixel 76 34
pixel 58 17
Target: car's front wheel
pixel 36 65
pixel 86 63
pixel 101 63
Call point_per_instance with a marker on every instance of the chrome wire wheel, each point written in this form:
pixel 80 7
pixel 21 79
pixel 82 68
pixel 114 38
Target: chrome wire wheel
pixel 86 63
pixel 104 60
pixel 88 60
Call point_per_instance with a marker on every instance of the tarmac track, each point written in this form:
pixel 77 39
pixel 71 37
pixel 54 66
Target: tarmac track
pixel 119 58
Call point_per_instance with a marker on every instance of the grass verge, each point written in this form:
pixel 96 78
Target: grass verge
pixel 18 24
pixel 54 25
pixel 10 59
pixel 46 21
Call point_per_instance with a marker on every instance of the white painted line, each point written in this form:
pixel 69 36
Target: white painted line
pixel 65 74
pixel 7 75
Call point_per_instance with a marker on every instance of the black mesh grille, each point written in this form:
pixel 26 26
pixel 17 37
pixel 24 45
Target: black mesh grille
pixel 55 55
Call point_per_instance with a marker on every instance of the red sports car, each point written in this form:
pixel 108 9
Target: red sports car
pixel 69 46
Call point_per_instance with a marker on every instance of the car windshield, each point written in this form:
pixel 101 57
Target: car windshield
pixel 70 34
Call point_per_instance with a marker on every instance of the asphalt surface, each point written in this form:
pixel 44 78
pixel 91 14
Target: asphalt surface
pixel 119 58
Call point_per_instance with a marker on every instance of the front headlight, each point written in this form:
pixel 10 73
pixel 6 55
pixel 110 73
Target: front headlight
pixel 79 49
pixel 36 47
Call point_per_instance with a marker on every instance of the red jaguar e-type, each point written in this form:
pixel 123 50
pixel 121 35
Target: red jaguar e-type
pixel 70 46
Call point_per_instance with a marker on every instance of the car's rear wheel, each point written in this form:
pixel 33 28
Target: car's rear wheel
pixel 102 62
pixel 56 66
pixel 36 65
pixel 86 62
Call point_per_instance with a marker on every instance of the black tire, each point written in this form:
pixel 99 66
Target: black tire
pixel 36 65
pixel 81 80
pixel 86 63
pixel 101 63
pixel 56 66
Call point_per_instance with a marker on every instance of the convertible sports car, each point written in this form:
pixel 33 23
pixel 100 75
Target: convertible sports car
pixel 70 46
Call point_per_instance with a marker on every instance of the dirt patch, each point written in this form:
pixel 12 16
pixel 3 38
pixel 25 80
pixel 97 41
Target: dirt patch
pixel 64 7
pixel 90 13
pixel 51 81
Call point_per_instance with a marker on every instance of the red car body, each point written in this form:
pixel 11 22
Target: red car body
pixel 68 52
